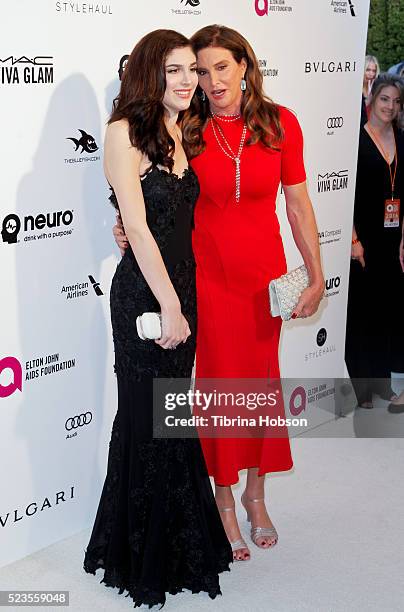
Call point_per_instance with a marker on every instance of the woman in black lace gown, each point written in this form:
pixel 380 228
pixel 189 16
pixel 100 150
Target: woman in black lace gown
pixel 157 528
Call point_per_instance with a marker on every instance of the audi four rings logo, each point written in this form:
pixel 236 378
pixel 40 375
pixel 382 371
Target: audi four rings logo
pixel 78 421
pixel 335 122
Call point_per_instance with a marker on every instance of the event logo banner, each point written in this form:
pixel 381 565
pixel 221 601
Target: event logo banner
pixel 35 70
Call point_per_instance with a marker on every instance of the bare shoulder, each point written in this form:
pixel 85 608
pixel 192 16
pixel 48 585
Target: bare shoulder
pixel 117 132
pixel 117 139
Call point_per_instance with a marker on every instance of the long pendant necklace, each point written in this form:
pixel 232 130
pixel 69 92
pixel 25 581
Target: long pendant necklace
pixel 233 156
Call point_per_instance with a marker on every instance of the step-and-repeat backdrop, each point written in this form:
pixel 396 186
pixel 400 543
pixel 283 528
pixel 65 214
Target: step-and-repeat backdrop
pixel 58 75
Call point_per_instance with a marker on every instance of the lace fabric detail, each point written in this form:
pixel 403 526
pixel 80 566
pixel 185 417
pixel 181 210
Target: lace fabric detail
pixel 157 528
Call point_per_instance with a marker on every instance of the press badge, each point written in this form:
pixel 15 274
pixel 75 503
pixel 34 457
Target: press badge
pixel 392 213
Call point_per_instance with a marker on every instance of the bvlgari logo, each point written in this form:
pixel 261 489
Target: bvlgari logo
pixel 332 181
pixel 13 516
pixel 330 67
pixel 32 70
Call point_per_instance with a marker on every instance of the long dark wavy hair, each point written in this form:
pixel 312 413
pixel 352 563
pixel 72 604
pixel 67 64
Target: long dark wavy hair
pixel 140 99
pixel 260 113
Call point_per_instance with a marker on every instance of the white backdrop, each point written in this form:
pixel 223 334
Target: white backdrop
pixel 58 75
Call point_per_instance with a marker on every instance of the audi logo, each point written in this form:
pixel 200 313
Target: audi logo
pixel 78 421
pixel 335 122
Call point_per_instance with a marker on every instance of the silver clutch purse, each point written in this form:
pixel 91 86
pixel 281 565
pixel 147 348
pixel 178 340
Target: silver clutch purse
pixel 285 292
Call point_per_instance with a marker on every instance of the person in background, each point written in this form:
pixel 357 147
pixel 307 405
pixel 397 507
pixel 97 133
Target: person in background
pixel 372 71
pixel 375 322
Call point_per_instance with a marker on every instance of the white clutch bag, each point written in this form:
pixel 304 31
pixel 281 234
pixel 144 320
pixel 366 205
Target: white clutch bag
pixel 285 292
pixel 148 326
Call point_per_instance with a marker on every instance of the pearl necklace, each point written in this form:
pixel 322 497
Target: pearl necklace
pixel 234 157
pixel 234 117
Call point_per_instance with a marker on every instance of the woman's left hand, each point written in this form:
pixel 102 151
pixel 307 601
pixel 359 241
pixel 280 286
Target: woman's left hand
pixel 401 253
pixel 309 301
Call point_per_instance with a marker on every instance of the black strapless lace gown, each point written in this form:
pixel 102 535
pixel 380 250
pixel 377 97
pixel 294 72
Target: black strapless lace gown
pixel 157 528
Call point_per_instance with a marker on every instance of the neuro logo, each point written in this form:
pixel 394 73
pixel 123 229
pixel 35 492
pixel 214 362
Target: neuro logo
pixel 261 7
pixel 13 364
pixel 351 7
pixel 10 229
pixel 122 65
pixel 96 286
pixel 86 142
pixel 192 3
pixel 321 336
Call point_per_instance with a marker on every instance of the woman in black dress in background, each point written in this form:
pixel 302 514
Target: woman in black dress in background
pixel 375 323
pixel 157 528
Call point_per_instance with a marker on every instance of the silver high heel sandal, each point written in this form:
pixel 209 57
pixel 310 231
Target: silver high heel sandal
pixel 260 532
pixel 237 544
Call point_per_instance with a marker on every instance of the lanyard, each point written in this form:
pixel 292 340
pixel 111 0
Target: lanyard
pixel 387 159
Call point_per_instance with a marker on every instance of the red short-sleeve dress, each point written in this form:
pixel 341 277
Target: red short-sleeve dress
pixel 238 250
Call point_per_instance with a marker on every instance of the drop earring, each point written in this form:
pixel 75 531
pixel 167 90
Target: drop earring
pixel 203 96
pixel 243 84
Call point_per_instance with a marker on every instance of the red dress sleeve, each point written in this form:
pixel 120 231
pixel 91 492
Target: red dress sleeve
pixel 292 164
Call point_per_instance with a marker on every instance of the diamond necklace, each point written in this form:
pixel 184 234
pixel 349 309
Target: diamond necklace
pixel 234 157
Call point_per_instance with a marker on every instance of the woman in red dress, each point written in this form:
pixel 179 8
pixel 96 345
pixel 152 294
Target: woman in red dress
pixel 251 145
pixel 242 145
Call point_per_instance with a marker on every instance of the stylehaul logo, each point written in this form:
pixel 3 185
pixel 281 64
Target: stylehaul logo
pixel 29 70
pixel 84 8
pixel 263 7
pixel 332 181
pixel 12 225
pixel 323 348
pixel 11 363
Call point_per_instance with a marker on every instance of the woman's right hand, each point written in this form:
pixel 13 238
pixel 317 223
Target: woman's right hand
pixel 357 252
pixel 401 253
pixel 119 235
pixel 175 328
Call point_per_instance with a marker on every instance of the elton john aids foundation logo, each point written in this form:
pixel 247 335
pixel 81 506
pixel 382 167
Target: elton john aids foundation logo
pixel 191 2
pixel 11 363
pixel 261 7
